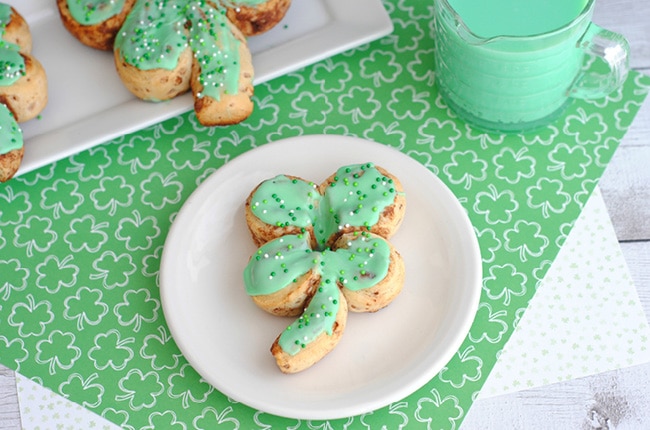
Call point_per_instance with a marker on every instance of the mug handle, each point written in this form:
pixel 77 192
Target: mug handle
pixel 614 50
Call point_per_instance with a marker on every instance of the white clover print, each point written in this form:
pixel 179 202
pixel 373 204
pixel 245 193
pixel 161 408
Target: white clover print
pixel 121 418
pixel 359 103
pixel 58 351
pixel 14 277
pixel 138 307
pixel 54 273
pixel 465 169
pixel 429 408
pixel 421 69
pixel 141 390
pixel 496 290
pixel 526 239
pixel 188 386
pixel 411 33
pixel 36 235
pixel 156 349
pixel 212 418
pixel 426 159
pixel 397 419
pixel 159 191
pixel 546 136
pixel 571 161
pixel 111 194
pixel 13 206
pixel 495 328
pixel 512 166
pixel 548 196
pixel 497 207
pixel 14 348
pixel 485 140
pixel 92 392
pixel 188 152
pixel 131 154
pixel 468 369
pixel 137 232
pixel 164 420
pixel 86 234
pixel 586 128
pixel 62 197
pixel 31 317
pixel 388 134
pixel 266 114
pixel 85 307
pixel 330 76
pixel 489 243
pixel 303 109
pixel 114 270
pixel 406 103
pixel 228 146
pixel 380 66
pixel 432 132
pixel 111 350
pixel 91 164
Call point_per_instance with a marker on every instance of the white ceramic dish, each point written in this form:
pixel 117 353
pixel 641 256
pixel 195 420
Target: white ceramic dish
pixel 89 105
pixel 382 357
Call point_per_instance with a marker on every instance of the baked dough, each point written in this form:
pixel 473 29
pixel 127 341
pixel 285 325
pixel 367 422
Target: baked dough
pixel 23 88
pixel 323 251
pixel 164 48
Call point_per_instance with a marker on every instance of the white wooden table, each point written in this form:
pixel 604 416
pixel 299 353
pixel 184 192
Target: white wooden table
pixel 612 400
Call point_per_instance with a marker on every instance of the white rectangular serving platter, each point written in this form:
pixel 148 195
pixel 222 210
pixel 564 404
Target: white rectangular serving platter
pixel 88 105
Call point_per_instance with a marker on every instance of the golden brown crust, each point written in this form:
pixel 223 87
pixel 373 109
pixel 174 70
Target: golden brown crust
pixel 389 220
pixel 230 108
pixel 383 293
pixel 364 300
pixel 9 163
pixel 315 350
pixel 17 32
pixel 262 232
pixel 27 97
pixel 289 301
pixel 99 36
pixel 259 19
pixel 156 84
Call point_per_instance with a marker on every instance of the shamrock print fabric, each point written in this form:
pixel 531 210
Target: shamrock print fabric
pixel 81 239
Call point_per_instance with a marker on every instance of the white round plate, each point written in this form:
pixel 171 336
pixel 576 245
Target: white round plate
pixel 382 357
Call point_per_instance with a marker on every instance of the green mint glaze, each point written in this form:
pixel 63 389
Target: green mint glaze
pixel 357 197
pixel 12 64
pixel 156 32
pixel 363 263
pixel 91 12
pixel 11 137
pixel 318 318
pixel 284 201
pixel 278 263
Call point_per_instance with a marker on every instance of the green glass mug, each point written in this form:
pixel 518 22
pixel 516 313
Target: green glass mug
pixel 510 82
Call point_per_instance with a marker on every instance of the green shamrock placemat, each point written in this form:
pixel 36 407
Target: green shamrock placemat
pixel 81 240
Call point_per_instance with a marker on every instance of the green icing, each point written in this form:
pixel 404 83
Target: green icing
pixel 286 201
pixel 362 263
pixel 156 32
pixel 91 12
pixel 357 197
pixel 11 137
pixel 12 64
